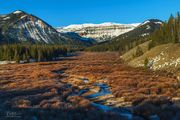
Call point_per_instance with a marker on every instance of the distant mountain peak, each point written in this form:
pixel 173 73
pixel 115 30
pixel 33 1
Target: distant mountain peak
pixel 144 29
pixel 156 21
pixel 18 12
pixel 76 26
pixel 100 32
pixel 21 27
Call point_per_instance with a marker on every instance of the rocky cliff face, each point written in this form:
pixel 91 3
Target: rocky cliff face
pixel 99 32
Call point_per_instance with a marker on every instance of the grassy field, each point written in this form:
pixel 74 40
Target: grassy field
pixel 165 57
pixel 51 89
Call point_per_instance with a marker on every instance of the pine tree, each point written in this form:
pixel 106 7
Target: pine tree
pixel 168 33
pixel 139 52
pixel 146 62
pixel 27 52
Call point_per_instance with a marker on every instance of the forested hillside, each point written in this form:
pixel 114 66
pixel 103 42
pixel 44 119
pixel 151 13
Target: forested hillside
pixel 162 51
pixel 129 40
pixel 168 33
pixel 28 53
pixel 25 37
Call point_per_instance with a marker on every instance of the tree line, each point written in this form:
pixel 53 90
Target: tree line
pixel 26 53
pixel 169 32
pixel 122 45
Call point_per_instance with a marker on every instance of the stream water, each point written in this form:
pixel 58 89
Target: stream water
pixel 104 90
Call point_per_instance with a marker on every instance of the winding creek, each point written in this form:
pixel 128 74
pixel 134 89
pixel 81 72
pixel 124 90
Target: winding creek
pixel 104 90
pixel 99 94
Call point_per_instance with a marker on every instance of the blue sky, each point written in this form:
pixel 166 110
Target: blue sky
pixel 65 12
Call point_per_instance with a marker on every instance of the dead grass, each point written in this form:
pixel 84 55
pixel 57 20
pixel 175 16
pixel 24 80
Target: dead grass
pixel 166 57
pixel 44 85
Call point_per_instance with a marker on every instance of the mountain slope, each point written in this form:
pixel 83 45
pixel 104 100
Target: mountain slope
pixel 99 32
pixel 143 30
pixel 163 57
pixel 21 27
pixel 130 39
pixel 161 52
pixel 131 54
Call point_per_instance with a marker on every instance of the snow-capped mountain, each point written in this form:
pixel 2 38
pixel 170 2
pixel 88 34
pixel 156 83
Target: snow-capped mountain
pixel 99 32
pixel 20 26
pixel 142 30
pixel 128 40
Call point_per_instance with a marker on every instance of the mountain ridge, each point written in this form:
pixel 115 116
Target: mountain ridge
pixel 130 39
pixel 21 27
pixel 99 32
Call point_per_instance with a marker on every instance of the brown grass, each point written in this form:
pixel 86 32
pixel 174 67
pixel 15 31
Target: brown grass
pixel 44 85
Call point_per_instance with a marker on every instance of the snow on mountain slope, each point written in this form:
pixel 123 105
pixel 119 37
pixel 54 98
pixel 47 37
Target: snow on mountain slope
pixel 17 12
pixel 19 26
pixel 162 57
pixel 142 30
pixel 99 32
pixel 22 27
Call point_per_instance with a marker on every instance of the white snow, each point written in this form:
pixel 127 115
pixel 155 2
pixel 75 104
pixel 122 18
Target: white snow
pixel 17 12
pixel 34 32
pixel 145 22
pixel 135 24
pixel 148 27
pixel 80 26
pixel 100 32
pixel 149 22
pixel 7 62
pixel 39 23
pixel 145 34
pixel 6 18
pixel 23 16
pixel 158 23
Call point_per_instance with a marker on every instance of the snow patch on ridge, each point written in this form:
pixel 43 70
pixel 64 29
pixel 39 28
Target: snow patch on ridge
pixel 145 22
pixel 17 12
pixel 6 18
pixel 99 32
pixel 23 16
pixel 158 23
pixel 96 25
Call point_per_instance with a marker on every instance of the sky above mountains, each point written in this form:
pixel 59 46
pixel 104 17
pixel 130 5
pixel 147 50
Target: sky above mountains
pixel 66 12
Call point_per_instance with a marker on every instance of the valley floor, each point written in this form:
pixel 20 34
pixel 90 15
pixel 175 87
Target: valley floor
pixel 87 86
